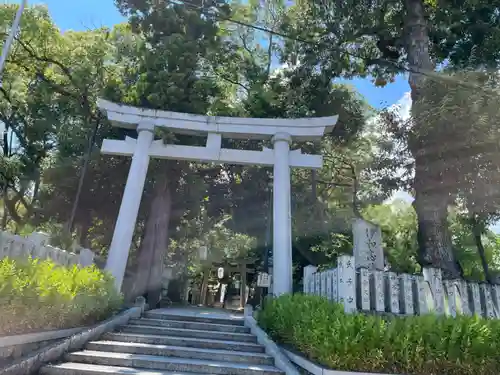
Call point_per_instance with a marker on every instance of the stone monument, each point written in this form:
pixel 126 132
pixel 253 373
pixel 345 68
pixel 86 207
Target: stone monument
pixel 368 252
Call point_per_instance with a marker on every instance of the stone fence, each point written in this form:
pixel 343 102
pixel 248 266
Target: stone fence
pixel 36 246
pixel 363 283
pixel 362 289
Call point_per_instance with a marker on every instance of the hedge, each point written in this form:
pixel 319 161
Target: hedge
pixel 40 295
pixel 417 345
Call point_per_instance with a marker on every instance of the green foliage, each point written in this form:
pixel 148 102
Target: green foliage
pixel 223 244
pixel 366 38
pixel 379 40
pixel 466 249
pixel 39 295
pixel 169 57
pixel 417 345
pixel 398 223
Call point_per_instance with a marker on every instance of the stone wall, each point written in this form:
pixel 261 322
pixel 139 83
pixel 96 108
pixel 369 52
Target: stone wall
pixel 363 282
pixel 17 346
pixel 12 352
pixel 374 291
pixel 36 245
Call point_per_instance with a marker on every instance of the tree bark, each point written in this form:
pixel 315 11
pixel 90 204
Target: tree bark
pixel 435 245
pixel 148 275
pixel 83 232
pixel 3 224
pixel 434 237
pixel 217 295
pixel 477 233
pixel 204 287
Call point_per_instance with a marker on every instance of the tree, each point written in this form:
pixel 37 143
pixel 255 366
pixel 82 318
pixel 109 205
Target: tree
pixel 29 121
pixel 171 76
pixel 382 39
pixel 177 58
pixel 471 151
pixel 51 84
pixel 398 223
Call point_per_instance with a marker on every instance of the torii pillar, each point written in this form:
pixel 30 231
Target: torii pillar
pixel 282 220
pixel 131 201
pixel 280 131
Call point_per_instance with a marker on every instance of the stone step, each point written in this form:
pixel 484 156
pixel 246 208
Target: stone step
pixel 237 320
pixel 195 333
pixel 181 352
pixel 190 325
pixel 152 362
pixel 184 342
pixel 72 368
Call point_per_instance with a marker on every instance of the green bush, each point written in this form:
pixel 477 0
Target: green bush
pixel 423 345
pixel 39 295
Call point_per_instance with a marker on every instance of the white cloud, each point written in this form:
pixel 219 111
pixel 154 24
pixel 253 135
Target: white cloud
pixel 403 106
pixel 400 195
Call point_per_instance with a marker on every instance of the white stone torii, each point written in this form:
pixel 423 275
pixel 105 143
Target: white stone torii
pixel 280 131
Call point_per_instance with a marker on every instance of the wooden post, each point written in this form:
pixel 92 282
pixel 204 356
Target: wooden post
pixel 204 287
pixel 243 285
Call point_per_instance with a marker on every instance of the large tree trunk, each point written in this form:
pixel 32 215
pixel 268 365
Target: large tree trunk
pixel 153 247
pixel 477 232
pixel 434 237
pixel 83 232
pixel 204 287
pixel 435 245
pixel 3 224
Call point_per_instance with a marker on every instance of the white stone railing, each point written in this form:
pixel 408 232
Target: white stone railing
pixel 36 246
pixel 362 289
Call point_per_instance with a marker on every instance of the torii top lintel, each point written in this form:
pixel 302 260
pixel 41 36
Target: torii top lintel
pixel 311 128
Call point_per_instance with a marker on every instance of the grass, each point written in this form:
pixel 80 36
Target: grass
pixel 417 345
pixel 40 295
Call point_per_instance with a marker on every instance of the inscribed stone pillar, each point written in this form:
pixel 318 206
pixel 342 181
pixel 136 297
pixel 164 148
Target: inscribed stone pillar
pixel 309 270
pixel 85 258
pixel 39 239
pixel 434 278
pixel 367 250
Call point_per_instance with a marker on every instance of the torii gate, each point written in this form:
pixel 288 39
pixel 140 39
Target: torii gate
pixel 280 131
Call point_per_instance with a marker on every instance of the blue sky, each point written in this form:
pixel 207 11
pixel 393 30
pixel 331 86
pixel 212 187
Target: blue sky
pixel 380 97
pixel 80 14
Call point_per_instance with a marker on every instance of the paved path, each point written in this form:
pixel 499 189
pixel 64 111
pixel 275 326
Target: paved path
pixel 201 312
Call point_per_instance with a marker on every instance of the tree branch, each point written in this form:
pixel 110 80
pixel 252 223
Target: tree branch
pixel 46 59
pixel 245 45
pixel 233 82
pixel 269 56
pixel 355 188
pixel 9 125
pixel 11 207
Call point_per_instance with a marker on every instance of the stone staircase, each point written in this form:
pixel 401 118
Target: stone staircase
pixel 162 343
